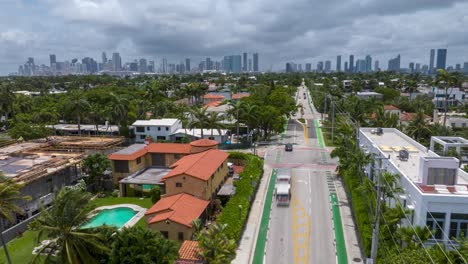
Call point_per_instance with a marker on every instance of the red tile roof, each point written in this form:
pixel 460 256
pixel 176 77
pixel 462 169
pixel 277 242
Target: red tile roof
pixel 411 116
pixel 390 107
pixel 240 95
pixel 168 148
pixel 189 250
pixel 131 156
pixel 204 143
pixel 181 208
pixel 153 148
pixel 201 165
pixel 213 96
pixel 213 104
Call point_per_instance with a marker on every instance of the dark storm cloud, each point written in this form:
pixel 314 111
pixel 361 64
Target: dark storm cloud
pixel 280 30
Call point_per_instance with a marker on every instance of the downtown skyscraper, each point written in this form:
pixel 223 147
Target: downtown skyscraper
pixel 441 58
pixel 338 63
pixel 244 62
pixel 431 61
pixel 255 62
pixel 351 63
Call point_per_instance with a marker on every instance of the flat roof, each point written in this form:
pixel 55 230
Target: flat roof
pixel 393 140
pixel 131 149
pixel 74 127
pixel 150 175
pixel 156 122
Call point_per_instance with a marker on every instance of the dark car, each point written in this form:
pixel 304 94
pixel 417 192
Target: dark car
pixel 288 147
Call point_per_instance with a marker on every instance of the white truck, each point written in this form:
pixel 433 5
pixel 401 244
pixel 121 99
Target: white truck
pixel 283 187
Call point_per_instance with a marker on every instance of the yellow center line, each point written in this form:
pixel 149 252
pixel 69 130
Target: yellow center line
pixel 301 232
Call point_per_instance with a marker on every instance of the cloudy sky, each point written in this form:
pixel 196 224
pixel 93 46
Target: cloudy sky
pixel 280 30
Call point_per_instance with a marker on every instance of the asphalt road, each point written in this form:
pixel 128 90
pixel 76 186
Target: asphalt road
pixel 302 232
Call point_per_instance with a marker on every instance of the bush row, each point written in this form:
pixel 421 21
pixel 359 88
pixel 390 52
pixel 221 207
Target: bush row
pixel 359 201
pixel 237 208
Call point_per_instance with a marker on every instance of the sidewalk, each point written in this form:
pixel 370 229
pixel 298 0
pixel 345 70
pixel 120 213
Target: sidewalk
pixel 245 251
pixel 353 249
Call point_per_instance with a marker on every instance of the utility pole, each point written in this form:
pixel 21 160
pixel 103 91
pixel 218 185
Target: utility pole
pixel 324 114
pixel 333 119
pixel 375 233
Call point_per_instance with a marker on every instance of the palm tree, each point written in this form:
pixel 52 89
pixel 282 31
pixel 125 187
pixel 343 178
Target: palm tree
pixel 413 237
pixel 418 127
pixel 199 118
pixel 447 80
pixel 216 247
pixel 215 121
pixel 78 105
pixel 62 223
pixel 9 196
pixel 119 109
pixel 236 110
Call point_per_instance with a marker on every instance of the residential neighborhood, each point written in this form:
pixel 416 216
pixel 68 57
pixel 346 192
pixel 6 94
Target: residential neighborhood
pixel 195 168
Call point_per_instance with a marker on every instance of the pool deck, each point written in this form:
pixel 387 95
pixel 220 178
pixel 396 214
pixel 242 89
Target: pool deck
pixel 140 212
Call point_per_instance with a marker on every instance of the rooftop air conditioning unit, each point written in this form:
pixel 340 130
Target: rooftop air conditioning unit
pixel 403 155
pixel 372 131
pixel 379 131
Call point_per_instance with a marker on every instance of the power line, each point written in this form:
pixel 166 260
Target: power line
pixel 393 238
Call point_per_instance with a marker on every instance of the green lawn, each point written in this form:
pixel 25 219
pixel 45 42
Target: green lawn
pixel 20 248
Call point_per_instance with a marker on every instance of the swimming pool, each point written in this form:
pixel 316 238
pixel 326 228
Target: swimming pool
pixel 116 217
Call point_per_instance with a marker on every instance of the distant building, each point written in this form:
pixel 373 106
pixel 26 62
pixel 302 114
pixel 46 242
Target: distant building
pixel 411 67
pixel 244 62
pixel 346 66
pixel 143 67
pixel 255 62
pixel 465 67
pixel 53 59
pixel 187 65
pixel 327 66
pixel 320 66
pixel 376 65
pixel 441 58
pixel 250 65
pixel 431 61
pixel 338 63
pixel 368 63
pixel 232 63
pixel 394 64
pixel 351 63
pixel 308 67
pixel 117 61
pixel 289 67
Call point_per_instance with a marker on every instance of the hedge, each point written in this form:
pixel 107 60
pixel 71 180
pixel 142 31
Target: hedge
pixel 359 201
pixel 233 216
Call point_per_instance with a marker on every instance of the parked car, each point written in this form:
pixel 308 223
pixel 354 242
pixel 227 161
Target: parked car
pixel 288 147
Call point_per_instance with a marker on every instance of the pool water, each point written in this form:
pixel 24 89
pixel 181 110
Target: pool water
pixel 116 217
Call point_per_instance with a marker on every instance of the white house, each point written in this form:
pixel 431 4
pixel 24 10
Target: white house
pixel 196 133
pixel 455 97
pixel 158 129
pixel 456 122
pixel 434 188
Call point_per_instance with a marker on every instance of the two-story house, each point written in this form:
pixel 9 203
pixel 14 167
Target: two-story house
pixel 157 129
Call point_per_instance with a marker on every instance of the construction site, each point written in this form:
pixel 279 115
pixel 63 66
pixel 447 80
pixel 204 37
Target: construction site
pixel 46 165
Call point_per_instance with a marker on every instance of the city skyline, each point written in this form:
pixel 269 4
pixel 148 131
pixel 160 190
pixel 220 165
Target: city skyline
pixel 81 28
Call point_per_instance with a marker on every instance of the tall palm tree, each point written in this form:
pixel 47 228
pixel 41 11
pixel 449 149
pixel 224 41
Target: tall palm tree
pixel 418 127
pixel 78 105
pixel 447 80
pixel 62 223
pixel 199 118
pixel 119 106
pixel 236 111
pixel 413 236
pixel 9 196
pixel 7 98
pixel 215 121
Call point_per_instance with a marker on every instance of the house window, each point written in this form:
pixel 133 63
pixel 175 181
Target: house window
pixel 444 176
pixel 142 136
pixel 176 156
pixel 167 128
pixel 458 225
pixel 161 138
pixel 159 128
pixel 165 234
pixel 211 138
pixel 147 128
pixel 178 184
pixel 121 166
pixel 435 222
pixel 181 236
pixel 138 160
pixel 453 124
pixel 140 129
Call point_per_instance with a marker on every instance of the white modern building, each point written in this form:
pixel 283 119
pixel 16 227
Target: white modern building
pixel 194 134
pixel 456 96
pixel 435 189
pixel 158 129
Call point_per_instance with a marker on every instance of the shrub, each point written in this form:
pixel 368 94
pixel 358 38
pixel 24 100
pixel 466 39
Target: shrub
pixel 236 210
